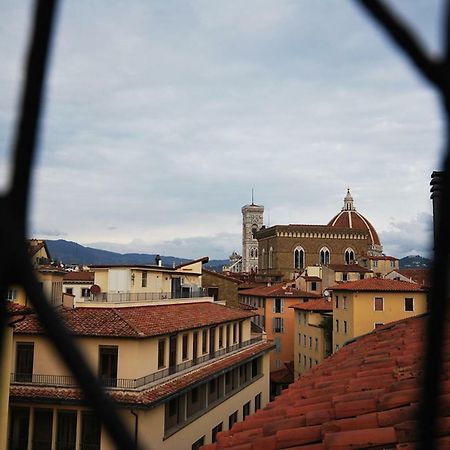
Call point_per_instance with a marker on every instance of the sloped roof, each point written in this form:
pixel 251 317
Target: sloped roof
pixel 421 276
pixel 363 396
pixel 349 268
pixel 81 275
pixel 139 321
pixel 377 284
pixel 277 290
pixel 321 304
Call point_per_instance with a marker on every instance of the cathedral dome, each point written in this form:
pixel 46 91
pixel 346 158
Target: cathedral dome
pixel 348 217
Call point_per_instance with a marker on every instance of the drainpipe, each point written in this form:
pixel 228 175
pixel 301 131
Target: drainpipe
pixel 136 425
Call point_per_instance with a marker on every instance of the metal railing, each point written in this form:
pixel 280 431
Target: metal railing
pixel 129 383
pixel 125 297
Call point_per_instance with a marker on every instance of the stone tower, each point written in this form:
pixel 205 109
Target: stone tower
pixel 252 221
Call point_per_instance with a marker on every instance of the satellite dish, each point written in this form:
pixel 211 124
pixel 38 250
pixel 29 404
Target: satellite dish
pixel 95 289
pixel 326 293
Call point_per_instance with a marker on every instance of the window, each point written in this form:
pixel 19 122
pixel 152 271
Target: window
pixel 24 361
pixel 375 263
pixel 392 264
pixel 11 294
pixel 107 367
pixel 90 431
pixel 254 231
pixel 235 333
pixel 213 292
pixel 337 347
pixel 19 419
pixel 232 419
pixel 299 258
pixel 198 443
pixel 278 306
pixel 220 337
pixel 144 279
pixel 185 346
pixel 337 326
pixel 255 367
pixel 310 342
pixel 349 256
pixel 304 340
pixel 409 304
pixel 277 325
pixel 310 363
pixel 69 291
pixel 378 324
pixel 345 277
pixel 277 345
pixel 258 402
pixel 379 304
pixel 337 302
pixel 314 285
pixel 345 327
pixel 85 292
pixel 299 338
pixel 245 410
pixel 43 427
pixel 204 341
pixel 304 360
pixel 263 259
pixel 66 430
pixel 316 345
pixel 270 258
pixel 215 430
pixel 345 303
pixel 324 256
pixel 161 353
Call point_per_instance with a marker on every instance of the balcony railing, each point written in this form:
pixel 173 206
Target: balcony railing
pixel 125 297
pixel 129 383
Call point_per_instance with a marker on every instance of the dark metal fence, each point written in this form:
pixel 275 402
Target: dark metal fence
pixel 128 383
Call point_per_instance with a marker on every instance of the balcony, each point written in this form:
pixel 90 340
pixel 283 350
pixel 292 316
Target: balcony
pixel 130 383
pixel 137 297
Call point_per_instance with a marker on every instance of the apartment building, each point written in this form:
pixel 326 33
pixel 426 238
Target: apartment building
pixel 313 333
pixel 361 306
pixel 137 283
pixel 275 316
pixel 179 373
pixel 78 284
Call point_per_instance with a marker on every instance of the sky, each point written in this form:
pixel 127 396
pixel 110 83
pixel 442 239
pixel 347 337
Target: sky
pixel 161 116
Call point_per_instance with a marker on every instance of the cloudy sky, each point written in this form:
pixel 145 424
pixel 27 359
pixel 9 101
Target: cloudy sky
pixel 162 115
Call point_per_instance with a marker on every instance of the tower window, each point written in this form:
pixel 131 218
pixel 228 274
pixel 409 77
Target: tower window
pixel 254 230
pixel 324 256
pixel 349 256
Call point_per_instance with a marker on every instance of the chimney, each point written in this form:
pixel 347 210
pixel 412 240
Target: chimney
pixel 158 260
pixel 437 181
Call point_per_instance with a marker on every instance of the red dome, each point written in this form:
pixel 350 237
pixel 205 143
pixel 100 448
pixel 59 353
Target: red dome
pixel 350 218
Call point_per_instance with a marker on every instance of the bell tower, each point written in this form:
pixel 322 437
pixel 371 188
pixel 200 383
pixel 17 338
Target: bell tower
pixel 252 221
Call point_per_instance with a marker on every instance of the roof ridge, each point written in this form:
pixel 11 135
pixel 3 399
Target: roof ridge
pixel 137 331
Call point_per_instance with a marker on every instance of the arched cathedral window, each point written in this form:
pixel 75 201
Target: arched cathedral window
pixel 270 258
pixel 324 256
pixel 349 256
pixel 299 258
pixel 251 253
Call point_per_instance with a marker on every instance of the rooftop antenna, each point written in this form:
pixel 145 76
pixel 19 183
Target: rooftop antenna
pixel 252 197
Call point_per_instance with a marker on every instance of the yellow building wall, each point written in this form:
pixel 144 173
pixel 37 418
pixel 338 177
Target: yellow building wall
pixel 361 316
pixel 311 329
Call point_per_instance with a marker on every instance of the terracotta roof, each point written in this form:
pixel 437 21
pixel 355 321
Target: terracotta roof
pixel 139 321
pixel 223 276
pixel 79 276
pixel 203 260
pixel 363 396
pixel 277 290
pixel 13 309
pixel 308 278
pixel 378 258
pixel 146 397
pixel 421 276
pixel 320 304
pixel 349 268
pixel 247 307
pixel 377 284
pixel 354 220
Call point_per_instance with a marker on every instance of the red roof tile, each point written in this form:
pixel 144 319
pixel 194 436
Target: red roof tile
pixel 421 276
pixel 363 396
pixel 79 276
pixel 138 321
pixel 377 284
pixel 320 304
pixel 278 290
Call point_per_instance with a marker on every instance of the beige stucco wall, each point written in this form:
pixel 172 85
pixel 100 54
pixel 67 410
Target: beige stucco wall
pixel 361 315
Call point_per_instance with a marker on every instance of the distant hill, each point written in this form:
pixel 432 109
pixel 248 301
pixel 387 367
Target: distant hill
pixel 70 252
pixel 414 262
